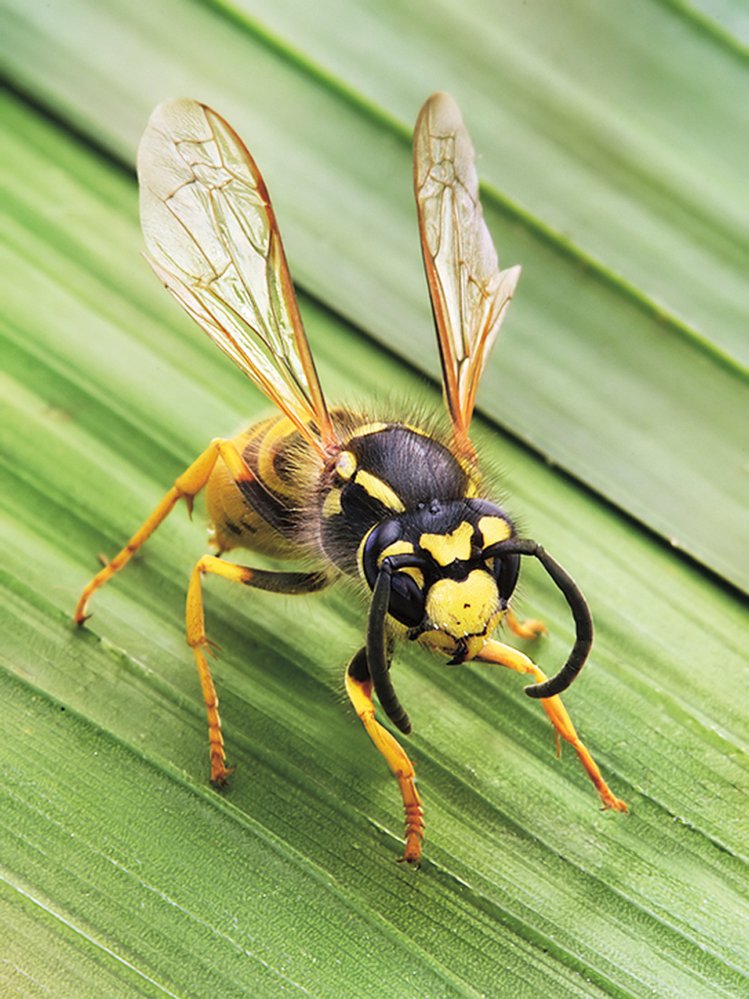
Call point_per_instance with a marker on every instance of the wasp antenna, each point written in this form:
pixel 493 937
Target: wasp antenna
pixel 378 654
pixel 577 604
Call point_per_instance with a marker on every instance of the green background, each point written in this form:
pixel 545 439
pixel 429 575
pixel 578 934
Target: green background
pixel 612 144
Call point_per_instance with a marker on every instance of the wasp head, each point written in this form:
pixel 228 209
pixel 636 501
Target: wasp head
pixel 445 589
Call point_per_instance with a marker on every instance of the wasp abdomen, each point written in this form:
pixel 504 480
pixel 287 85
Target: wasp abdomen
pixel 265 513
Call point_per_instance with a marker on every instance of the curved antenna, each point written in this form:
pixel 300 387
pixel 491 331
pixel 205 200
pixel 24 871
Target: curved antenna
pixel 378 651
pixel 577 603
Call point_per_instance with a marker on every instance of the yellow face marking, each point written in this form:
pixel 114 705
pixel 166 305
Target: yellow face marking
pixel 369 428
pixel 400 547
pixel 416 574
pixel 438 641
pixel 494 529
pixel 332 503
pixel 446 548
pixel 379 490
pixel 346 465
pixel 464 610
pixel 403 548
pixel 463 607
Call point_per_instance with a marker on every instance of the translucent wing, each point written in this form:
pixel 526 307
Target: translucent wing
pixel 212 238
pixel 469 292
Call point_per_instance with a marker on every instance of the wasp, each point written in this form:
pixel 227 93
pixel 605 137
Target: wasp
pixel 341 492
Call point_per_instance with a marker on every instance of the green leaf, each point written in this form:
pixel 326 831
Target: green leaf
pixel 122 871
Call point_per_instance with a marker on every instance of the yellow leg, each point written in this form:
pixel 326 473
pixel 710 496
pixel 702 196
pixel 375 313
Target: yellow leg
pixel 528 628
pixel 276 582
pixel 186 487
pixel 360 694
pixel 504 655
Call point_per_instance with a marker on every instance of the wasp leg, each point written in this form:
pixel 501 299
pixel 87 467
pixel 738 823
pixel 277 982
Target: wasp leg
pixel 528 628
pixel 186 487
pixel 504 655
pixel 274 582
pixel 359 690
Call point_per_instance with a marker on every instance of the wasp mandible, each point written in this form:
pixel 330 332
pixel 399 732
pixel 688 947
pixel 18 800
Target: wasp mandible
pixel 399 506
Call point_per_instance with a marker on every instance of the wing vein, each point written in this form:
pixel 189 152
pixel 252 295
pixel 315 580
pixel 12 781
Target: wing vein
pixel 469 292
pixel 212 237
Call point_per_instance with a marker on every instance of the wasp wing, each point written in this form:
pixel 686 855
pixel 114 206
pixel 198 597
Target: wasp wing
pixel 212 238
pixel 469 292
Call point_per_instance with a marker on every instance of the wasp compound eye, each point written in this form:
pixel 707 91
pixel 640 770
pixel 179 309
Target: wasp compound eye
pixel 387 548
pixel 386 539
pixel 506 572
pixel 407 598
